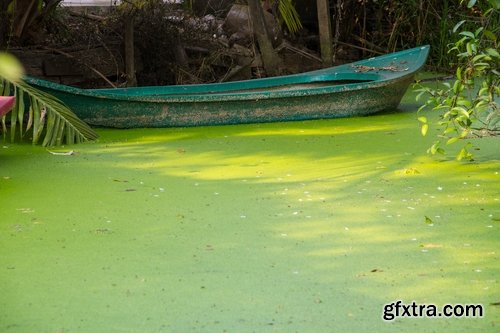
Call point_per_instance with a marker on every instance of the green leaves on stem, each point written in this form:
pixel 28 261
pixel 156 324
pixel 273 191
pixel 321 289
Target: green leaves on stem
pixel 36 112
pixel 467 106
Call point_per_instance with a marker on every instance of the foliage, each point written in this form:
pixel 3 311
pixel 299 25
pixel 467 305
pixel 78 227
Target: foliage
pixel 155 39
pixel 387 25
pixel 289 15
pixel 20 16
pixel 47 117
pixel 468 107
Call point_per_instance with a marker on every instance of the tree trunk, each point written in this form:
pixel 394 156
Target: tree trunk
pixel 325 32
pixel 270 59
pixel 129 52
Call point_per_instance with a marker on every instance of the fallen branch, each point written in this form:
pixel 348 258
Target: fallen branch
pixel 286 45
pixel 87 16
pixel 360 47
pixel 368 43
pixel 86 65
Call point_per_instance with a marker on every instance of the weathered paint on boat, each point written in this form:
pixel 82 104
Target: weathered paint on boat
pixel 360 88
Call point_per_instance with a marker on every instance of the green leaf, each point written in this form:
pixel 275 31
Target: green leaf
pixel 421 108
pixel 457 87
pixel 478 57
pixel 471 3
pixel 473 46
pixel 11 7
pixel 422 119
pixel 47 116
pixel 10 68
pixel 481 64
pixel 424 129
pixel 452 140
pixel 467 34
pixel 45 105
pixel 492 52
pixel 469 48
pixel 440 107
pixel 449 130
pixel 20 109
pixel 458 25
pixel 464 134
pixel 428 220
pixel 6 89
pixel 419 95
pixel 4 127
pixel 289 15
pixel 37 114
pixel 490 35
pixel 464 154
pixel 464 102
pixel 494 3
pixel 434 148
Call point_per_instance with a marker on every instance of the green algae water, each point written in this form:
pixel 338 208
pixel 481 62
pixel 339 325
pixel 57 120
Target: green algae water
pixel 283 227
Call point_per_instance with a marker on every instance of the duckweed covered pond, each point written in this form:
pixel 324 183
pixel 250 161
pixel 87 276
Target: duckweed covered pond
pixel 285 227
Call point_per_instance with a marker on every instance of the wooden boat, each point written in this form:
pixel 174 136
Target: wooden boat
pixel 6 104
pixel 355 89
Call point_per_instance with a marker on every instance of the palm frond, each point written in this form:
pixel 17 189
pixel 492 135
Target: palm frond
pixel 48 117
pixel 289 15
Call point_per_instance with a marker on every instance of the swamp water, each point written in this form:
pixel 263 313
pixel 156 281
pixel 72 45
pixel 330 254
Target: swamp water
pixel 284 227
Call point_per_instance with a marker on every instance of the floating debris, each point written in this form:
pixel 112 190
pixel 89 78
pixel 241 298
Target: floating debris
pixel 364 69
pixel 26 210
pixel 431 246
pixel 411 171
pixel 102 231
pixel 69 153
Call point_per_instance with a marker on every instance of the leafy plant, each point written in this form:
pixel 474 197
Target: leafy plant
pixel 46 116
pixel 468 107
pixel 22 15
pixel 289 16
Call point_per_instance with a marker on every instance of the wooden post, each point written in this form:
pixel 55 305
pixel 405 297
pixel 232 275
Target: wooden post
pixel 325 32
pixel 129 52
pixel 270 59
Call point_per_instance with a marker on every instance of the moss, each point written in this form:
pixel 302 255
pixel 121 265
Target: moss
pixel 302 226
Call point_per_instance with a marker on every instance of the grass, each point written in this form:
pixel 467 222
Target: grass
pixel 285 227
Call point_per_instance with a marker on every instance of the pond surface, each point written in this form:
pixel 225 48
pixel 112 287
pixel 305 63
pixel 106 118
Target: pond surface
pixel 284 227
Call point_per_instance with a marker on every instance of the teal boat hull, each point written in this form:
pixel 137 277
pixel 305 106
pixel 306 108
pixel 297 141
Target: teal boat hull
pixel 361 88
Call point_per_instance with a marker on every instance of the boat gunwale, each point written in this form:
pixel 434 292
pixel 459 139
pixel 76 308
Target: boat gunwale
pixel 246 90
